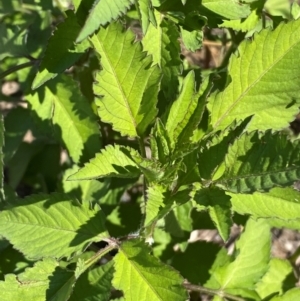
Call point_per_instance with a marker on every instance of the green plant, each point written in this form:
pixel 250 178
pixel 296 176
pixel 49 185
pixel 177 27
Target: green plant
pixel 132 147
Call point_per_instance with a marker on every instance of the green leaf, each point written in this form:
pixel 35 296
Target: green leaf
pixel 151 279
pixel 291 295
pixel 15 131
pixel 264 88
pixel 72 116
pixel 95 285
pixel 182 108
pixel 101 13
pixel 280 203
pixel 192 40
pixel 161 42
pixel 51 225
pixel 86 191
pixel 241 24
pixel 272 281
pixel 146 14
pixel 113 161
pixel 61 52
pixel 1 159
pixel 256 163
pixel 128 86
pixel 45 281
pixel 228 9
pixel 155 203
pixel 160 143
pixel 252 255
pixel 12 41
pixel 218 205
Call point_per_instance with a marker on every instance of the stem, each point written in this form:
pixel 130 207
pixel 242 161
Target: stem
pixel 16 68
pixel 211 292
pixel 91 261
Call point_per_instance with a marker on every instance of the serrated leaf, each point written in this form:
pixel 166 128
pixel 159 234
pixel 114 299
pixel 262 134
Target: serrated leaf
pixel 54 225
pixel 61 52
pixel 155 203
pixel 227 9
pixel 182 108
pixel 45 281
pixel 113 161
pixel 252 255
pixel 160 143
pixel 243 25
pixel 94 285
pixel 72 116
pixel 291 295
pixel 218 205
pixel 128 86
pixel 151 279
pixel 146 14
pixel 101 13
pixel 85 191
pixel 256 163
pixel 192 40
pixel 264 88
pixel 162 43
pixel 272 281
pixel 280 203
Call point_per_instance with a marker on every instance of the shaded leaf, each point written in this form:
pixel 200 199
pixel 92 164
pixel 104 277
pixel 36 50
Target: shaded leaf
pixel 61 52
pixel 256 163
pixel 72 116
pixel 51 225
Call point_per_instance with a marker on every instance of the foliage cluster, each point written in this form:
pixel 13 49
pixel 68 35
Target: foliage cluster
pixel 116 147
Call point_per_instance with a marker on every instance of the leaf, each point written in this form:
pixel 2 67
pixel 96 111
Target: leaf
pixel 151 279
pixel 256 163
pixel 45 281
pixel 102 12
pixel 128 86
pixel 161 42
pixel 264 88
pixel 227 9
pixel 243 25
pixel 146 14
pixel 113 161
pixel 252 255
pixel 12 41
pixel 280 203
pixel 155 203
pixel 85 191
pixel 272 281
pixel 192 40
pixel 95 285
pixel 218 205
pixel 15 131
pixel 51 226
pixel 72 116
pixel 2 197
pixel 61 52
pixel 182 108
pixel 291 295
pixel 160 143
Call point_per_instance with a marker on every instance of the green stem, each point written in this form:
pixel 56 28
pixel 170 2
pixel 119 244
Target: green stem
pixel 211 292
pixel 17 68
pixel 91 261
